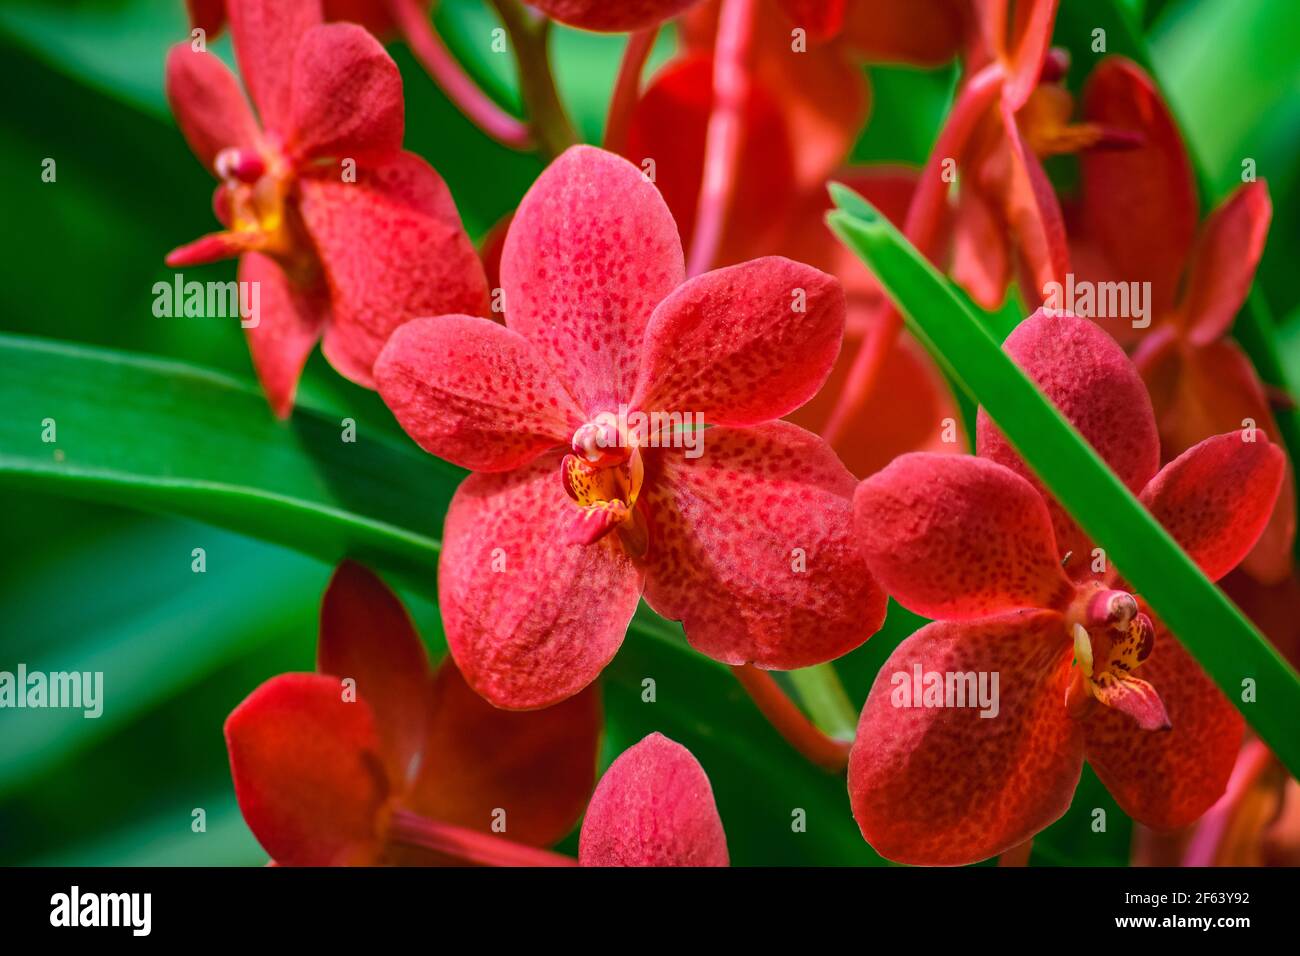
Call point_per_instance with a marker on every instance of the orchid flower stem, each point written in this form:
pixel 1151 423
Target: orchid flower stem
pixel 1017 855
pixel 725 131
pixel 452 79
pixel 468 846
pixel 789 721
pixel 924 217
pixel 627 87
pixel 553 132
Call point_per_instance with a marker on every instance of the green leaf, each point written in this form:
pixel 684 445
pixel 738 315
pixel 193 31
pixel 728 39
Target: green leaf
pixel 1218 635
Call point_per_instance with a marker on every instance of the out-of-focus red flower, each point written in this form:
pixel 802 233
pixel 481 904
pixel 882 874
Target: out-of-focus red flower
pixel 653 807
pixel 593 483
pixel 1084 669
pixel 1135 220
pixel 330 772
pixel 611 16
pixel 346 235
pixel 809 95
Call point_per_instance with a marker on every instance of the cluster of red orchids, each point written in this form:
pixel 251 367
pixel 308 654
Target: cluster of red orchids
pixel 690 394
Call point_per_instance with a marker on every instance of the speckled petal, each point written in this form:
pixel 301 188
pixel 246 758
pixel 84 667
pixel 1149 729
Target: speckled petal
pixel 751 547
pixel 530 618
pixel 289 322
pixel 744 344
pixel 653 807
pixel 394 250
pixel 1166 779
pixel 952 536
pixel 1216 498
pixel 1090 379
pixel 208 104
pixel 346 97
pixel 590 253
pixel 945 786
pixel 474 392
pixel 266 33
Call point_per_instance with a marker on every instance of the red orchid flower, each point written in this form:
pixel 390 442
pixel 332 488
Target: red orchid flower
pixel 1084 670
pixel 611 16
pixel 1136 221
pixel 345 260
pixel 653 807
pixel 403 765
pixel 576 506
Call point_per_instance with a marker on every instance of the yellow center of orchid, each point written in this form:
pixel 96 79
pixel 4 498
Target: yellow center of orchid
pixel 255 187
pixel 1112 638
pixel 603 478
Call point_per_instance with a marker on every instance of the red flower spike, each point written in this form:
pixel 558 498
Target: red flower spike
pixel 543 565
pixel 401 762
pixel 611 16
pixel 1097 675
pixel 653 807
pixel 348 257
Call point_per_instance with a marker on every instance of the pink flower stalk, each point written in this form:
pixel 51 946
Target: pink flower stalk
pixel 653 807
pixel 575 511
pixel 1016 591
pixel 347 235
pixel 405 764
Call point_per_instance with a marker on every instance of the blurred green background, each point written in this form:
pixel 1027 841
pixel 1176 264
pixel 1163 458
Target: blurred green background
pixel 93 587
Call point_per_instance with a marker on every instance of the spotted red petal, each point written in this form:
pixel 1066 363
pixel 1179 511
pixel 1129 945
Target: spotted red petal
pixel 590 253
pixel 1166 779
pixel 289 322
pixel 1224 260
pixel 532 772
pixel 208 104
pixel 474 392
pixel 744 344
pixel 1216 497
pixel 266 33
pixel 346 97
pixel 367 636
pixel 530 619
pixel 751 547
pixel 943 785
pixel 309 772
pixel 1138 206
pixel 611 16
pixel 1090 379
pixel 952 536
pixel 653 807
pixel 393 250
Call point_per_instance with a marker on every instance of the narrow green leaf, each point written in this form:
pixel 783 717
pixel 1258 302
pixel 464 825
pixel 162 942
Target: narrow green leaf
pixel 1225 643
